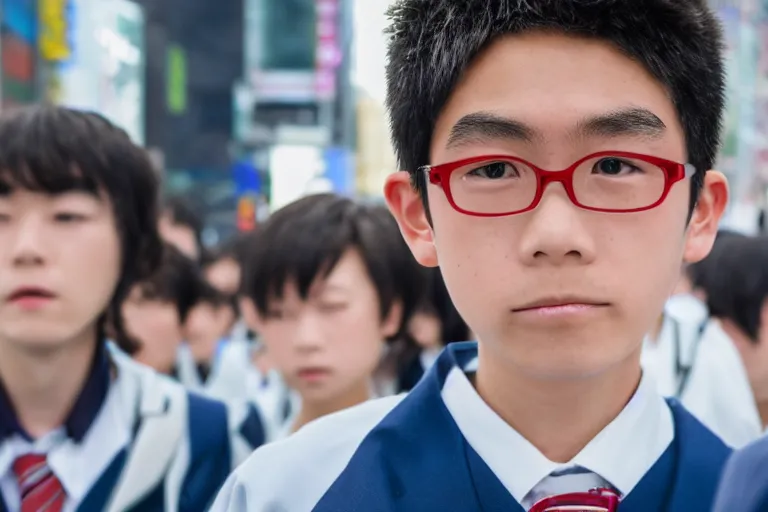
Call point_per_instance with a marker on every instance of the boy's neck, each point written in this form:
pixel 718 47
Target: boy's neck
pixel 311 411
pixel 43 385
pixel 203 351
pixel 762 409
pixel 558 417
pixel 655 333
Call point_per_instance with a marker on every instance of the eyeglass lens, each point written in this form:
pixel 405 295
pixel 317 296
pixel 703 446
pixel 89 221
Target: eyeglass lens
pixel 605 182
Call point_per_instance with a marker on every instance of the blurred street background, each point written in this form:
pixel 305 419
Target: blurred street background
pixel 247 105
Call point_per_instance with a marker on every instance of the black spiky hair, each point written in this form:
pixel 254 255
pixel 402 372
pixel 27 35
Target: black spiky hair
pixel 305 240
pixel 432 42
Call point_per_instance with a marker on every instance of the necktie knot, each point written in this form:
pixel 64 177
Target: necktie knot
pixel 39 488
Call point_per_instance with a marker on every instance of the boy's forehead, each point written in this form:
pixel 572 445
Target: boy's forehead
pixel 10 187
pixel 554 85
pixel 343 277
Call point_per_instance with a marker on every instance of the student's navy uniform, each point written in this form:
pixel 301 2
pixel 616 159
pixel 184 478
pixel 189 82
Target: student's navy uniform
pixel 413 371
pixel 134 441
pixel 249 427
pixel 442 448
pixel 744 487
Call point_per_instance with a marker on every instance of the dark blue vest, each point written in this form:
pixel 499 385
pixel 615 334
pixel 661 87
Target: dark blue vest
pixel 209 465
pixel 417 460
pixel 744 487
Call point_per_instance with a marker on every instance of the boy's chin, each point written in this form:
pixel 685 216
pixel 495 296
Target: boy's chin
pixel 564 364
pixel 37 339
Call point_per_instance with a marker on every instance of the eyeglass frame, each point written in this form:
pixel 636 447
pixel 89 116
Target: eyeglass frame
pixel 440 175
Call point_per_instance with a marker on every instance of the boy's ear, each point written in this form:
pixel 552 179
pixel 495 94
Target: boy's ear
pixel 408 209
pixel 250 314
pixel 702 228
pixel 393 320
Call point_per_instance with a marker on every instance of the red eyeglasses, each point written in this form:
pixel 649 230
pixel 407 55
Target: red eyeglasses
pixel 609 181
pixel 596 500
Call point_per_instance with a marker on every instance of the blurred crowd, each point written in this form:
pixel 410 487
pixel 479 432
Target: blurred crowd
pixel 545 317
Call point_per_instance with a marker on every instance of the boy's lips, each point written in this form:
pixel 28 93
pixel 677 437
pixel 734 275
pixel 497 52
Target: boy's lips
pixel 566 301
pixel 30 298
pixel 30 292
pixel 570 308
pixel 313 374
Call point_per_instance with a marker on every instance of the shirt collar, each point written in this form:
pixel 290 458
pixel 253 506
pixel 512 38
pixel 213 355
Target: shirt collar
pixel 687 308
pixel 84 410
pixel 645 422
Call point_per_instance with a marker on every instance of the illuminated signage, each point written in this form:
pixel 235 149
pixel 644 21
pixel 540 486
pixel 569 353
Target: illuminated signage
pixel 53 39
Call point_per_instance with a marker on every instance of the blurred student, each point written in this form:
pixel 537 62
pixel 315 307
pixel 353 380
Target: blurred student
pixel 207 331
pixel 157 308
pixel 83 427
pixel 691 357
pixel 322 292
pixel 557 167
pixel 738 298
pixel 243 369
pixel 181 226
pixel 740 301
pixel 157 315
pixel 223 268
pixel 435 324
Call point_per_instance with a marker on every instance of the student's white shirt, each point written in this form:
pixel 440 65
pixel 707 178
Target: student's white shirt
pixel 159 454
pixel 227 383
pixel 287 427
pixel 717 391
pixel 187 371
pixel 314 457
pixel 77 467
pixel 428 357
pixel 235 377
pixel 646 420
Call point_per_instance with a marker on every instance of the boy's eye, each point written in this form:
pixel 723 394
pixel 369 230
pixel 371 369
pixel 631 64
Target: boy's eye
pixel 68 217
pixel 274 315
pixel 333 307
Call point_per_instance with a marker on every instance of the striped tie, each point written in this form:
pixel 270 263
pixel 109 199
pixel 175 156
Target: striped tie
pixel 40 490
pixel 565 481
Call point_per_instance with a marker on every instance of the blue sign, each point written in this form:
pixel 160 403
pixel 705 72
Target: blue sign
pixel 20 16
pixel 340 170
pixel 246 177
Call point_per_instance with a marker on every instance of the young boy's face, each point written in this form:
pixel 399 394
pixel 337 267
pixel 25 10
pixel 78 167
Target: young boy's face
pixel 207 324
pixel 329 345
pixel 424 327
pixel 180 236
pixel 224 275
pixel 610 273
pixel 754 353
pixel 156 325
pixel 59 265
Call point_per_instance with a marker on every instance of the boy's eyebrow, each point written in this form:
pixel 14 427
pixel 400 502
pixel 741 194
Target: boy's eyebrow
pixel 332 287
pixel 623 122
pixel 487 126
pixel 632 122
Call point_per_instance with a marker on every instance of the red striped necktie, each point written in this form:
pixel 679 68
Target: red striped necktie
pixel 40 490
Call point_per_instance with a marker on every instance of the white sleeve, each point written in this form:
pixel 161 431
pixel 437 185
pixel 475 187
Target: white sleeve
pixel 719 394
pixel 231 498
pixel 310 460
